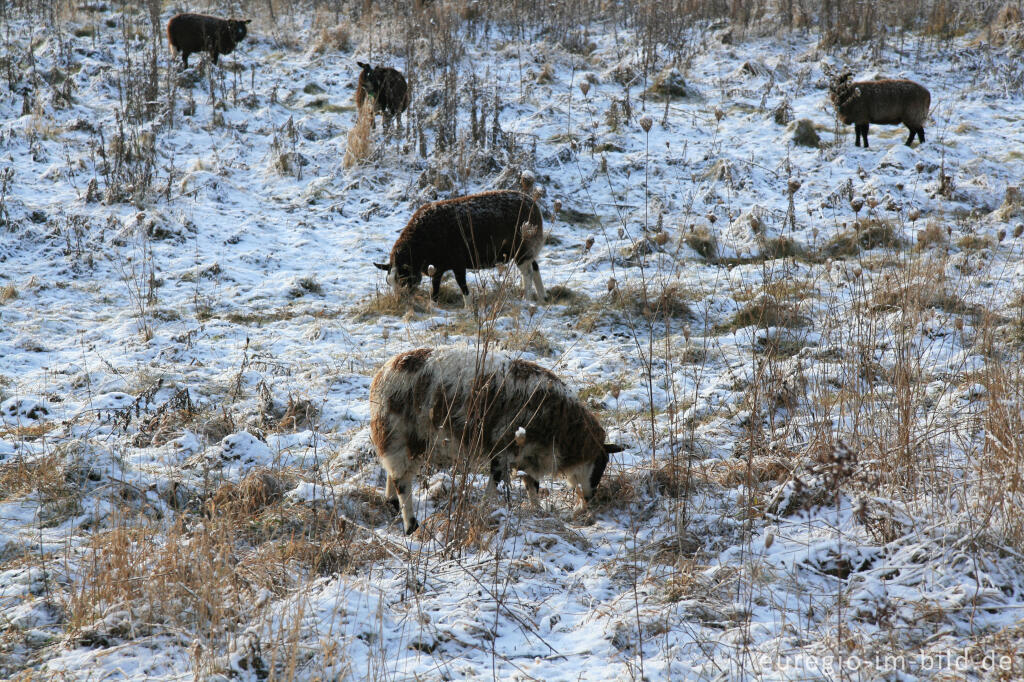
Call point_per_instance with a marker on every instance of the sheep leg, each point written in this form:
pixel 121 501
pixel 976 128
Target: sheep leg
pixel 532 489
pixel 400 468
pixel 498 474
pixel 524 270
pixel 184 58
pixel 920 135
pixel 538 286
pixel 391 495
pixel 460 279
pixel 864 134
pixel 215 55
pixel 404 486
pixel 435 285
pixel 910 139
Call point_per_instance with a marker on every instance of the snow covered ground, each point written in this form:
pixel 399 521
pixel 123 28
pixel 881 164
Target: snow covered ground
pixel 811 353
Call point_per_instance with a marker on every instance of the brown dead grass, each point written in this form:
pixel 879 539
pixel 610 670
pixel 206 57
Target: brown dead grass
pixel 359 145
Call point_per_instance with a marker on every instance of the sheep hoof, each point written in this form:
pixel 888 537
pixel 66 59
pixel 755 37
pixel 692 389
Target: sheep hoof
pixel 411 528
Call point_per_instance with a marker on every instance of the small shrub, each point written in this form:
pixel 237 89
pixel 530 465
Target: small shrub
pixel 804 134
pixel 669 84
pixel 867 234
pixel 701 240
pixel 667 301
pixel 764 311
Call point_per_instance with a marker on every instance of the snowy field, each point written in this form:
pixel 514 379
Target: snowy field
pixel 811 352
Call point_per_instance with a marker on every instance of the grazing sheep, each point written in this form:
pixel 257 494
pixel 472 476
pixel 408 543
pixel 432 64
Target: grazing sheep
pixel 188 33
pixel 468 233
pixel 451 405
pixel 387 87
pixel 883 101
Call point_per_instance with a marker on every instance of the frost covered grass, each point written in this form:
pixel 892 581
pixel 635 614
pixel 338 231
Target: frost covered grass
pixel 811 352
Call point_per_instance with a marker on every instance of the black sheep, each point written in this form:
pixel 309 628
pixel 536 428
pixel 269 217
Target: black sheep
pixel 387 87
pixel 188 33
pixel 882 101
pixel 468 233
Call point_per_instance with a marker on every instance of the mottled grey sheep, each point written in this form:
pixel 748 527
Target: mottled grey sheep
pixel 882 101
pixel 457 404
pixel 188 33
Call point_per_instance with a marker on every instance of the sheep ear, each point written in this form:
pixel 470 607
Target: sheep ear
pixel 611 448
pixel 383 266
pixel 856 92
pixel 247 21
pixel 361 65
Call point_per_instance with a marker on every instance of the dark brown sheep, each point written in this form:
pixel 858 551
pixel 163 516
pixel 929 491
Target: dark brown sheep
pixel 468 233
pixel 188 33
pixel 455 405
pixel 882 101
pixel 387 88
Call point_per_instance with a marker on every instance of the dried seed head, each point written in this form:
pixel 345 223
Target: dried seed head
pixel 1018 230
pixel 431 270
pixel 914 214
pixel 719 114
pixel 1002 235
pixel 660 238
pixel 769 540
pixel 711 218
pixel 557 205
pixel 616 390
pixel 646 122
pixel 611 284
pixel 857 203
pixel 385 332
pixel 585 87
pixel 526 181
pixel 589 243
pixel 794 185
pixel 872 202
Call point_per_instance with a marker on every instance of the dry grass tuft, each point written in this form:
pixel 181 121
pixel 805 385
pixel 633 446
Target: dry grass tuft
pixel 868 233
pixel 976 242
pixel 804 134
pixel 933 234
pixel 762 312
pixel 8 293
pixel 655 301
pixel 563 295
pixel 259 489
pixel 703 241
pixel 300 413
pixel 391 304
pixel 334 39
pixel 616 491
pixel 458 526
pixel 359 145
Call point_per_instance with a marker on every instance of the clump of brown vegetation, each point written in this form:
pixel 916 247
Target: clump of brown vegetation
pixel 868 233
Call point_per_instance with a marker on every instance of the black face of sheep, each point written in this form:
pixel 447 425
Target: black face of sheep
pixel 468 233
pixel 386 86
pixel 882 101
pixel 188 33
pixel 455 407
